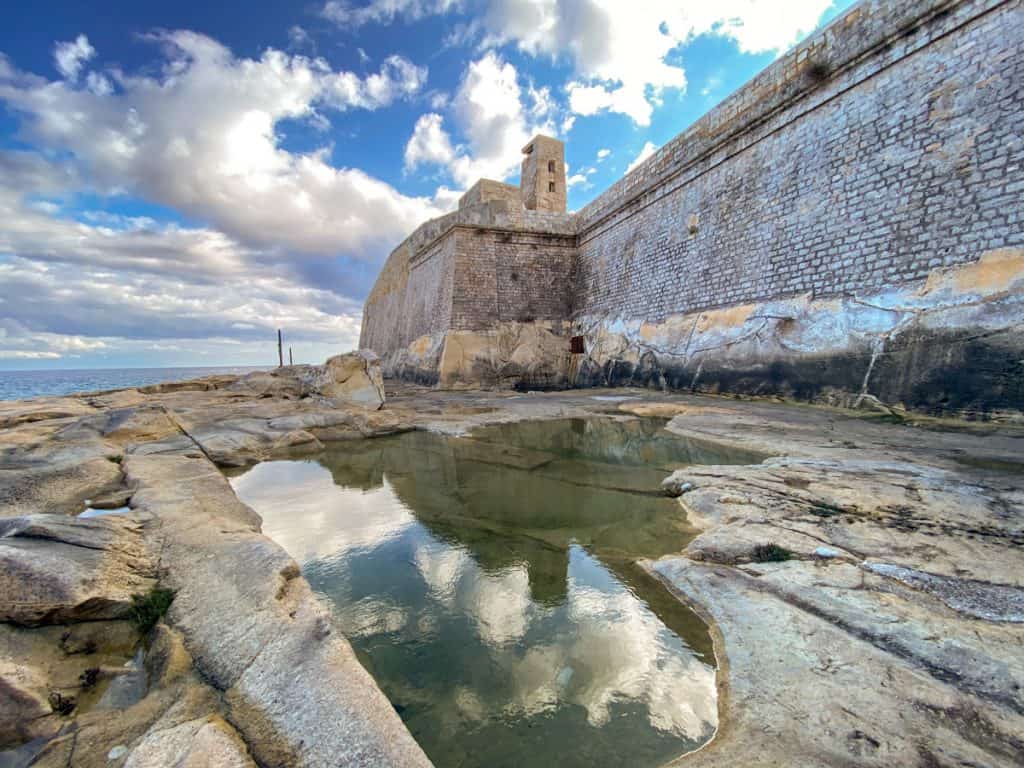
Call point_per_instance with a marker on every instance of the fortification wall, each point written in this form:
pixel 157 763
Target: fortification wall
pixel 483 270
pixel 845 228
pixel 411 300
pixel 880 152
pixel 898 162
pixel 511 276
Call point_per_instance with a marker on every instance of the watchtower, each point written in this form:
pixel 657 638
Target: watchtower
pixel 542 181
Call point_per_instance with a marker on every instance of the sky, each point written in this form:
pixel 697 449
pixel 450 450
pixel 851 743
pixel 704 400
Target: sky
pixel 179 180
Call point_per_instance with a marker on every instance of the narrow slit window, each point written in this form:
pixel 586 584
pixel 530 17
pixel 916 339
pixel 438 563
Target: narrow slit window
pixel 551 186
pixel 551 166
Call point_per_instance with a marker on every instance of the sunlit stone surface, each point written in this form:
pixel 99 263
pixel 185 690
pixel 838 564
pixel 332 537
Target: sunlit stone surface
pixel 487 584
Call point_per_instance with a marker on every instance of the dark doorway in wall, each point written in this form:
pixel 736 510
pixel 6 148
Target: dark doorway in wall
pixel 576 345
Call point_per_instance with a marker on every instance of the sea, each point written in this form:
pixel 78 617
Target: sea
pixel 18 385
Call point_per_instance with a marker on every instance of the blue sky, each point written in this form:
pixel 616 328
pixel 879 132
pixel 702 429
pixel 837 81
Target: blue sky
pixel 177 181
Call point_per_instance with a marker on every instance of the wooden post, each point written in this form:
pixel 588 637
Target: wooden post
pixel 280 350
pixel 290 356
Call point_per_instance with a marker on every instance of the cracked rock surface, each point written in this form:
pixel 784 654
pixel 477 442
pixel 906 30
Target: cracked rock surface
pixel 883 628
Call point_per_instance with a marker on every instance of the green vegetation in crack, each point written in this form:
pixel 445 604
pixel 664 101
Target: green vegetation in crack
pixel 148 609
pixel 770 553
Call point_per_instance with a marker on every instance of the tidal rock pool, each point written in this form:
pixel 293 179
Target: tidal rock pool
pixel 488 584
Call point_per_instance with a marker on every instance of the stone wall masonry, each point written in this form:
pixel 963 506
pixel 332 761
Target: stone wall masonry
pixel 412 296
pixel 788 243
pixel 505 276
pixel 907 157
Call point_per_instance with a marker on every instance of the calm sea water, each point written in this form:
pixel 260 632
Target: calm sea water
pixel 17 385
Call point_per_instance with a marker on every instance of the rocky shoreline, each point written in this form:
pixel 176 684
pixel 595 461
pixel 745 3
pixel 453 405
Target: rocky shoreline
pixel 885 627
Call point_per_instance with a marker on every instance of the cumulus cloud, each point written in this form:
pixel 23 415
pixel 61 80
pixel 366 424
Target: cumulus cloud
pixel 496 115
pixel 603 154
pixel 202 138
pixel 621 52
pixel 429 143
pixel 581 178
pixel 646 151
pixel 100 283
pixel 70 57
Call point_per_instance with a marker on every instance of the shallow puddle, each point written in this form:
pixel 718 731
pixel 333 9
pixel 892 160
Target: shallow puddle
pixel 487 583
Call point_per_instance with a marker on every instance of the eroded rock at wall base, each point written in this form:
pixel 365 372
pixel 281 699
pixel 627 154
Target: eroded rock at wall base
pixel 514 355
pixel 948 346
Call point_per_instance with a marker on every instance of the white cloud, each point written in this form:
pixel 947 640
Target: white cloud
pixel 299 38
pixel 429 143
pixel 496 116
pixel 581 179
pixel 712 84
pixel 110 284
pixel 646 151
pixel 620 51
pixel 603 154
pixel 343 14
pixel 70 57
pixel 202 138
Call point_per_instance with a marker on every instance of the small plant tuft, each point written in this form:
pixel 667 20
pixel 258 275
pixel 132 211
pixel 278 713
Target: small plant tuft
pixel 147 610
pixel 89 678
pixel 770 553
pixel 61 704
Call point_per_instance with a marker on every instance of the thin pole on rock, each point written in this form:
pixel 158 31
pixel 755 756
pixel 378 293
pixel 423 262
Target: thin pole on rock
pixel 290 356
pixel 280 350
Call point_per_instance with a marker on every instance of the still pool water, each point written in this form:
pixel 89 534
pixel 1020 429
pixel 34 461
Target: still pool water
pixel 488 585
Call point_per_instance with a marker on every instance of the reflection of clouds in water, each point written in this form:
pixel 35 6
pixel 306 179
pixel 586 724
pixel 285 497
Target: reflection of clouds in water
pixel 602 647
pixel 372 616
pixel 441 567
pixel 620 651
pixel 498 603
pixel 311 517
pixel 613 649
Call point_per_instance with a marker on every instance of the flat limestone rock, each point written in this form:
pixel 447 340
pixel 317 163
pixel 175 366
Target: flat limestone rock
pixel 25 711
pixel 804 691
pixel 56 569
pixel 193 744
pixel 293 686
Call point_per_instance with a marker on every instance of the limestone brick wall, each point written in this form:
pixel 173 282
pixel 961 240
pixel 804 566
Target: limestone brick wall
pixel 524 257
pixel 503 276
pixel 885 146
pixel 412 296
